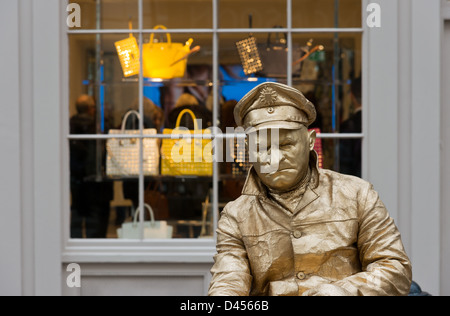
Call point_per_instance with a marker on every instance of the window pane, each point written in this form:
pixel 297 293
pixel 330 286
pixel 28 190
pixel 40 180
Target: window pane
pixel 191 88
pixel 342 155
pixel 326 13
pixel 105 193
pixel 185 194
pixel 265 13
pixel 189 206
pixel 95 70
pixel 177 14
pixel 326 77
pixel 91 192
pixel 108 14
pixel 243 63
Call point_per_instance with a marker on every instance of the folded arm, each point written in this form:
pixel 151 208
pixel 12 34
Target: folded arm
pixel 386 269
pixel 230 273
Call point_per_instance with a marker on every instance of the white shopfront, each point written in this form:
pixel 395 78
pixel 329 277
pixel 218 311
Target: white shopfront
pixel 405 136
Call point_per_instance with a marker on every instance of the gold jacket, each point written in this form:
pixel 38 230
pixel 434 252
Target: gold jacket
pixel 340 234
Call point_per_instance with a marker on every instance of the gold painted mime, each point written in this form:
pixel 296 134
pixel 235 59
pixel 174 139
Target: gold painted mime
pixel 302 230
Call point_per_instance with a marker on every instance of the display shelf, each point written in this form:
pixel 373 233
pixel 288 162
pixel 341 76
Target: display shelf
pixel 232 176
pixel 162 178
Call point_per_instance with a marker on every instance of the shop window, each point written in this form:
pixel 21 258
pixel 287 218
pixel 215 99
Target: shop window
pixel 123 106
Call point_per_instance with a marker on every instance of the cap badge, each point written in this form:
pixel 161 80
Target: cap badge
pixel 268 96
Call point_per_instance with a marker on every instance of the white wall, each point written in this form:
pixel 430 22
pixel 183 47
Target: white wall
pixel 30 229
pixel 445 159
pixel 402 91
pixel 425 150
pixel 10 180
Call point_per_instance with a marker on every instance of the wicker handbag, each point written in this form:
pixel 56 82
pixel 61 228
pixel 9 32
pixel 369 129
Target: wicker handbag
pixel 123 154
pixel 187 156
pixel 152 229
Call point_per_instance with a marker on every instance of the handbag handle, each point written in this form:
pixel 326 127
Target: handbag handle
pixel 186 111
pixel 162 27
pixel 150 210
pixel 269 40
pixel 127 115
pixel 317 48
pixel 130 27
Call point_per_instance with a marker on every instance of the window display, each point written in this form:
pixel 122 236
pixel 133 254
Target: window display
pixel 326 13
pixel 153 85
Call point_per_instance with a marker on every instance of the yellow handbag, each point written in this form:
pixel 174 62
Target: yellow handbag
pixel 165 60
pixel 186 156
pixel 128 51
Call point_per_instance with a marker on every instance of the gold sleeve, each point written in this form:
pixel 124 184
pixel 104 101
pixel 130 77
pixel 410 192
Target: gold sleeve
pixel 385 265
pixel 230 273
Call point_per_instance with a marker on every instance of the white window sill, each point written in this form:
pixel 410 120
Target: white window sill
pixel 148 251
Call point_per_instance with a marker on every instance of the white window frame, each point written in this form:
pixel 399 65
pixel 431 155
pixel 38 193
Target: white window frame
pixel 175 250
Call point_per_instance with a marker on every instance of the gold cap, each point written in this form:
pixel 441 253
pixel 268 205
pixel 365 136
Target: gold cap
pixel 274 105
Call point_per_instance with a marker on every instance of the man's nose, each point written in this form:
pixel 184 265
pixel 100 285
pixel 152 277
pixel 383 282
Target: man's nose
pixel 270 162
pixel 278 154
pixel 272 155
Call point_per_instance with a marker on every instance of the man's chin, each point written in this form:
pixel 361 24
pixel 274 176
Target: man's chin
pixel 287 173
pixel 279 182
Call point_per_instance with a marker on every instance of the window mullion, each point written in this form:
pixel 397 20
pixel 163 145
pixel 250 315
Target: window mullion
pixel 216 83
pixel 141 124
pixel 289 42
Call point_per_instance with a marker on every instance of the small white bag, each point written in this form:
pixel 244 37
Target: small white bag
pixel 152 230
pixel 123 154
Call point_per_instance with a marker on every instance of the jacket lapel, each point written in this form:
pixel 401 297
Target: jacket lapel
pixel 309 197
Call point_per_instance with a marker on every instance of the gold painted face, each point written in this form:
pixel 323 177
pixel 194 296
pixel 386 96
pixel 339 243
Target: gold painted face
pixel 282 164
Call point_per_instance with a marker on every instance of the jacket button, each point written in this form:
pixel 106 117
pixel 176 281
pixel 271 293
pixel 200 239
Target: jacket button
pixel 297 234
pixel 301 275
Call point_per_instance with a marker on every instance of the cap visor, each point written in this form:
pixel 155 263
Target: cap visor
pixel 274 125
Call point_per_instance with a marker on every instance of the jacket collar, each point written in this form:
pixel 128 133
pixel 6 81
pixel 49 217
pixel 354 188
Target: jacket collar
pixel 254 186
